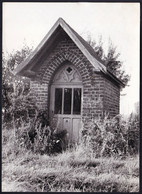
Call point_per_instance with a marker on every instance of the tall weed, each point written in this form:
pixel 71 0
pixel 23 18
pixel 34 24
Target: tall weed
pixel 100 137
pixel 38 136
pixel 111 137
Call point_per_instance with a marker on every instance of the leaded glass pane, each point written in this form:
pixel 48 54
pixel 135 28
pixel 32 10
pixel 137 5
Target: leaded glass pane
pixel 67 100
pixel 58 101
pixel 77 101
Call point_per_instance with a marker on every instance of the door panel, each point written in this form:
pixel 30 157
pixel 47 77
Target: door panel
pixel 75 129
pixel 67 126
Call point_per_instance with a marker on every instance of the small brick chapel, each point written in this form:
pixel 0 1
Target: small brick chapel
pixel 69 81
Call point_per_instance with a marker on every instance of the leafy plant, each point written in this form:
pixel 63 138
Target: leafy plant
pixel 15 89
pixel 111 137
pixel 39 137
pixel 110 59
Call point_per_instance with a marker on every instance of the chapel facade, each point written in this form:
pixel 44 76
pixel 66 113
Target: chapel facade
pixel 69 81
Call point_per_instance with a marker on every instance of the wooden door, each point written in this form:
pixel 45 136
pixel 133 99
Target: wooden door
pixel 66 101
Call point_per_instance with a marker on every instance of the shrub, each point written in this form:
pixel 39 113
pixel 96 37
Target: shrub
pixel 111 137
pixel 38 136
pixel 133 133
pixel 16 101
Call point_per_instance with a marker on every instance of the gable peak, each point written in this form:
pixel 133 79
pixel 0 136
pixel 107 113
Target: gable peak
pixel 60 21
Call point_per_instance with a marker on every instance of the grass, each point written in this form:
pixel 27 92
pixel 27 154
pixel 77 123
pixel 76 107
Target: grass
pixel 71 171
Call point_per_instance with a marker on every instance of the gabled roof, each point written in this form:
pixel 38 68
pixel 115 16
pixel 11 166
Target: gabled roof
pixel 85 48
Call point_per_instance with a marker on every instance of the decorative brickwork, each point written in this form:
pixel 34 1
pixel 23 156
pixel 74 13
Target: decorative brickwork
pixel 100 95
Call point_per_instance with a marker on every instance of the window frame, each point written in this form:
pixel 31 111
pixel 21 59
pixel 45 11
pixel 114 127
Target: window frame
pixel 72 98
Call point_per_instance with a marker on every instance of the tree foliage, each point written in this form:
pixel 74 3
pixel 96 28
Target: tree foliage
pixel 15 89
pixel 110 59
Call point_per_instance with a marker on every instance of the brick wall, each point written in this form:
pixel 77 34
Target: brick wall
pixel 39 92
pixel 95 86
pixel 111 97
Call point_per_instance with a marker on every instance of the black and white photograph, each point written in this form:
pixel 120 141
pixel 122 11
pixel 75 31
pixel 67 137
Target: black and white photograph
pixel 70 96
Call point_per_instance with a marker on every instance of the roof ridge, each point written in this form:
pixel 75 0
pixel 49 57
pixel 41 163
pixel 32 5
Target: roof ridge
pixel 82 44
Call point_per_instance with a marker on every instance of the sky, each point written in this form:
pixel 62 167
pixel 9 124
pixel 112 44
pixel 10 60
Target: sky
pixel 30 22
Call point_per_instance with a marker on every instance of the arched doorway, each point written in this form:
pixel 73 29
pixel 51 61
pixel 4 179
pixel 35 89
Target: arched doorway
pixel 66 100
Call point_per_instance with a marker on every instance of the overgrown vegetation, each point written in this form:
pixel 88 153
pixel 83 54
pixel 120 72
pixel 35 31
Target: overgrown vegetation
pixel 113 137
pixel 36 156
pixel 111 59
pixel 106 160
pixel 16 102
pixel 74 170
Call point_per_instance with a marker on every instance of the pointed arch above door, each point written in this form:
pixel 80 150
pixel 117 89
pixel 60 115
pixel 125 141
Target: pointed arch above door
pixel 66 99
pixel 67 74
